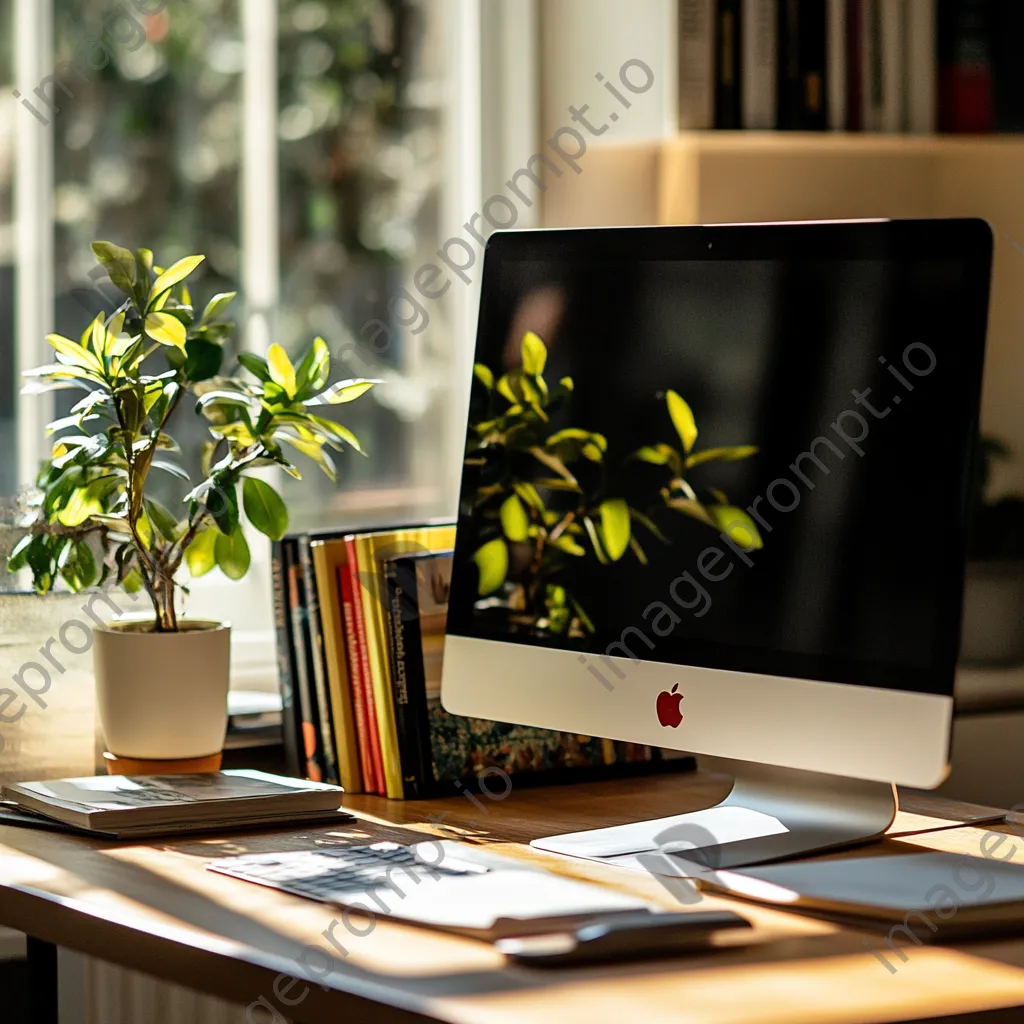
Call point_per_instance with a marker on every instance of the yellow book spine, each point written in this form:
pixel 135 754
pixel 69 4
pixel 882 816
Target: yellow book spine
pixel 371 550
pixel 328 556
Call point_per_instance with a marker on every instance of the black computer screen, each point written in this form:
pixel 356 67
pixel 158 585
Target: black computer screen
pixel 741 448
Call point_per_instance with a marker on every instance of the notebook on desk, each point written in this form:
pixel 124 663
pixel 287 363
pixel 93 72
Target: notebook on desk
pixel 439 884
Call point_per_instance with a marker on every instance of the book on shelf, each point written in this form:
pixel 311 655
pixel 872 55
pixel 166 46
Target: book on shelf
pixel 728 45
pixel 381 600
pixel 894 66
pixel 291 715
pixel 696 64
pixel 303 661
pixel 123 806
pixel 328 558
pixel 759 34
pixel 803 53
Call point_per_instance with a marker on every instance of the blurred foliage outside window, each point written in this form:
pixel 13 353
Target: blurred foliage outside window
pixel 149 152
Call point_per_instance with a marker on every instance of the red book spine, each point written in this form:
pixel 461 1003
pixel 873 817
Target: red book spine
pixel 965 66
pixel 355 673
pixel 365 678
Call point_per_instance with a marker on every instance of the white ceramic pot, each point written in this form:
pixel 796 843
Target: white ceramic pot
pixel 163 696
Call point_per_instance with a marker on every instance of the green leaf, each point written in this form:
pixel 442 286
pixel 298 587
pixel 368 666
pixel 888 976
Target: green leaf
pixel 232 554
pixel 170 277
pixel 222 504
pixel 120 266
pixel 535 354
pixel 595 540
pixel 484 375
pixel 656 454
pixel 649 523
pixel 742 451
pixel 73 354
pixel 315 367
pixel 265 508
pixel 514 521
pixel 163 520
pixel 281 370
pixel 166 329
pixel 344 391
pixel 737 525
pixel 216 306
pixel 692 508
pixel 529 494
pixel 77 565
pixel 492 563
pixel 615 527
pixel 18 557
pixel 203 359
pixel 315 450
pixel 200 555
pixel 682 420
pixel 336 430
pixel 83 503
pixel 256 365
pixel 569 545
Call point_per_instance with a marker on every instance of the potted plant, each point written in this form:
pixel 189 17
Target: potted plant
pixel 95 520
pixel 993 619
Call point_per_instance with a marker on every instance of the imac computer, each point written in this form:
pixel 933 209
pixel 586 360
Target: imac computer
pixel 714 499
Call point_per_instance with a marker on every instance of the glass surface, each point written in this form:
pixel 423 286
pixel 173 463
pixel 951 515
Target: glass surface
pixel 360 164
pixel 8 111
pixel 823 542
pixel 147 153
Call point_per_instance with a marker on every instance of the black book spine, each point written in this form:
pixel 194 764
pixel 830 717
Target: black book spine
pixel 401 607
pixel 314 768
pixel 803 57
pixel 1008 64
pixel 323 721
pixel 291 719
pixel 728 65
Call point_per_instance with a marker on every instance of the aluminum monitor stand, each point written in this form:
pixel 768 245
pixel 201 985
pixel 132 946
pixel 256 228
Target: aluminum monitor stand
pixel 771 814
pixel 777 813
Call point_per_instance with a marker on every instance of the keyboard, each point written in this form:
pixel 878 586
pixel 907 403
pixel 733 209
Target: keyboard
pixel 337 873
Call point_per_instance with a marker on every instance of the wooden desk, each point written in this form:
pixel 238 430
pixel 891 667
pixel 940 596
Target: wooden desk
pixel 156 910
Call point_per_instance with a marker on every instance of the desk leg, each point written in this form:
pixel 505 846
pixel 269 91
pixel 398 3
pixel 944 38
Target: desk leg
pixel 42 982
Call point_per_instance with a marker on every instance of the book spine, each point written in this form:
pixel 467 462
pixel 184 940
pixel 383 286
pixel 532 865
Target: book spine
pixel 922 67
pixel 696 64
pixel 327 557
pixel 894 63
pixel 728 90
pixel 872 80
pixel 965 70
pixel 369 698
pixel 291 717
pixel 1008 65
pixel 356 679
pixel 759 30
pixel 854 65
pixel 836 76
pixel 325 730
pixel 373 597
pixel 802 59
pixel 304 686
pixel 398 598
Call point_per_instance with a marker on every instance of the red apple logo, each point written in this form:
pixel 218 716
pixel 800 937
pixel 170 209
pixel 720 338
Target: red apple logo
pixel 668 707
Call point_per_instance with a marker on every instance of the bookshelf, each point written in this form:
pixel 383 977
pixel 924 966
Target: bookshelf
pixel 722 177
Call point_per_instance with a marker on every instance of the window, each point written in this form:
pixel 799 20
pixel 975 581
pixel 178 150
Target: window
pixel 305 147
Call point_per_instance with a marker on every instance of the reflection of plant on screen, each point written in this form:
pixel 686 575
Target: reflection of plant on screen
pixel 543 496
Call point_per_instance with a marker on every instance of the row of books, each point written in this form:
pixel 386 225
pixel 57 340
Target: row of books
pixel 360 622
pixel 852 65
